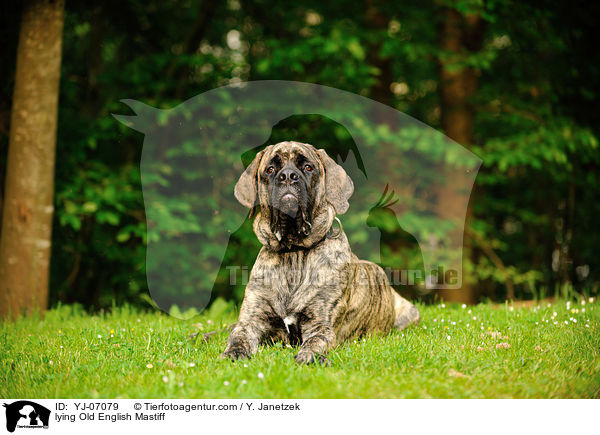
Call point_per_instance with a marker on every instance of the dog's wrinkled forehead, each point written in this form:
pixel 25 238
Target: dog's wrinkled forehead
pixel 289 150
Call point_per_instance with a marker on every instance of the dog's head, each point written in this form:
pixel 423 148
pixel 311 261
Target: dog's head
pixel 297 191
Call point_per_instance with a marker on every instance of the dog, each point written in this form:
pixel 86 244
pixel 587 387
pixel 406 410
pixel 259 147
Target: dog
pixel 307 288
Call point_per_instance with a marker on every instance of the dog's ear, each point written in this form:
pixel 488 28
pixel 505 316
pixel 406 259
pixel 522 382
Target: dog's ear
pixel 246 188
pixel 338 185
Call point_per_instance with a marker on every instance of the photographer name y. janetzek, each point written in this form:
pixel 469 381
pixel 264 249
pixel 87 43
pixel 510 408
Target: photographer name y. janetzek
pixel 279 407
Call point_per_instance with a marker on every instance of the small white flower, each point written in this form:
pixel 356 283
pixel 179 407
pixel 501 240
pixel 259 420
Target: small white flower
pixel 537 323
pixel 260 375
pixel 469 312
pixel 510 309
pixel 192 364
pixel 467 325
pixel 149 366
pixel 139 320
pixel 591 300
pixel 244 382
pixel 61 347
pixel 554 314
pixel 574 320
pixel 99 336
pixel 583 302
pixel 435 320
pixel 51 363
pixel 583 310
pixel 566 322
pixel 165 379
pixel 587 326
pixel 424 327
pixel 474 317
pixel 226 383
pixel 448 338
pixel 453 323
pixel 482 328
pixel 111 335
pixel 464 306
pixel 549 305
pixel 210 322
pixel 443 305
pixel 245 365
pixel 181 384
pixel 555 322
pixel 442 320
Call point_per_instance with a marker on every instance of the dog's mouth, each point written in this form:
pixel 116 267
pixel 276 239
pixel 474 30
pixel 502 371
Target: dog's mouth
pixel 289 205
pixel 290 219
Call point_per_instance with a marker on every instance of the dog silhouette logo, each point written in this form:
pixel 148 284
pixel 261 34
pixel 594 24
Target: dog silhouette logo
pixel 26 414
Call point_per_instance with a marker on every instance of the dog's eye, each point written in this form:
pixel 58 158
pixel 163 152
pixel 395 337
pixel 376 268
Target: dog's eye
pixel 308 168
pixel 270 170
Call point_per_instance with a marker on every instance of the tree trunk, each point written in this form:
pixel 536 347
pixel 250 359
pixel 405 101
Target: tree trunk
pixel 460 35
pixel 377 22
pixel 29 189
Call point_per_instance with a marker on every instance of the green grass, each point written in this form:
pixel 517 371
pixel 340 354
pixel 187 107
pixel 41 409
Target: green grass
pixel 129 354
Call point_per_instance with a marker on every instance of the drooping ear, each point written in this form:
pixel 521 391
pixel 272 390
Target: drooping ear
pixel 246 188
pixel 338 185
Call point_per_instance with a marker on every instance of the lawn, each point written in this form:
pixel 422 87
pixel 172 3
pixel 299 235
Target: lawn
pixel 497 351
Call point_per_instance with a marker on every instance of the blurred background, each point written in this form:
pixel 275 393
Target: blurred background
pixel 517 83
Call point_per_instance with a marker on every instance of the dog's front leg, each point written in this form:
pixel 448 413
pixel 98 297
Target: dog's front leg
pixel 248 332
pixel 243 341
pixel 318 337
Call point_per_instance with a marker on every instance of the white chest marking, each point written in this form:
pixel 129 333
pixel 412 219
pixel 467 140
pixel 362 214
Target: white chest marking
pixel 289 320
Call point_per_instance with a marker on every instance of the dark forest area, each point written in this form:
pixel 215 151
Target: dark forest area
pixel 517 83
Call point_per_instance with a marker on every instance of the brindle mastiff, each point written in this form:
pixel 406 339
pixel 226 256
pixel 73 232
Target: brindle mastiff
pixel 307 287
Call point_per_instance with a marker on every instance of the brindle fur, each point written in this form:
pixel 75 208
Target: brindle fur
pixel 309 289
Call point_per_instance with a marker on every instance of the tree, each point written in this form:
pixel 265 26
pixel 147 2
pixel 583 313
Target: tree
pixel 29 187
pixel 530 115
pixel 460 35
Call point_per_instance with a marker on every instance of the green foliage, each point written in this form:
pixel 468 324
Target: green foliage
pixel 535 126
pixel 534 195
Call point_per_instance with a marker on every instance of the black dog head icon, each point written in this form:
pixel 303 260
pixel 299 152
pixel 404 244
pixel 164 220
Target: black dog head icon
pixel 31 411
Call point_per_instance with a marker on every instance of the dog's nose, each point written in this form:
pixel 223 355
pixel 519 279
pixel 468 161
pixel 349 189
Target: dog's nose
pixel 288 175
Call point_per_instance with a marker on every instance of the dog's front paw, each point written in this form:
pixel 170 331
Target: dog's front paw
pixel 235 352
pixel 308 357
